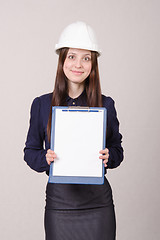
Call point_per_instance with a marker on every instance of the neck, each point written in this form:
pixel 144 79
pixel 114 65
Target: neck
pixel 75 90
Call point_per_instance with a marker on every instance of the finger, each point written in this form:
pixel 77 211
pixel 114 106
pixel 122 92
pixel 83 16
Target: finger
pixel 104 156
pixel 49 155
pixel 49 161
pixel 104 151
pixel 49 151
pixel 105 161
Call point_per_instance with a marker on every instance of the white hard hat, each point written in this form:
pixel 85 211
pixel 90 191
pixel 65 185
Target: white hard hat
pixel 78 35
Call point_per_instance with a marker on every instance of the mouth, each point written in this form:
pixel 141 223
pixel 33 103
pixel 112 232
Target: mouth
pixel 77 72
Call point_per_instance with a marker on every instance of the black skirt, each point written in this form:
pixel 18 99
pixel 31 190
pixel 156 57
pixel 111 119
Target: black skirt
pixel 79 212
pixel 88 224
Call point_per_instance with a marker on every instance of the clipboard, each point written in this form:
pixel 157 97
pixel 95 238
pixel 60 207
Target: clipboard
pixel 77 136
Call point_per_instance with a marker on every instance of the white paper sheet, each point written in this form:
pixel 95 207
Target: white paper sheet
pixel 78 140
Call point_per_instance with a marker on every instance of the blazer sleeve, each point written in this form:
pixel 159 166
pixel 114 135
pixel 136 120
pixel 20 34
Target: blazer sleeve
pixel 34 152
pixel 114 138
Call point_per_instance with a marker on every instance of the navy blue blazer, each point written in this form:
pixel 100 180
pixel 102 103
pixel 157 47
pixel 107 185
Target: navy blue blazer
pixel 37 143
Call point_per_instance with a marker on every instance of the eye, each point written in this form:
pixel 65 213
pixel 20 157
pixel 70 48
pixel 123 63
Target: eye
pixel 87 58
pixel 71 56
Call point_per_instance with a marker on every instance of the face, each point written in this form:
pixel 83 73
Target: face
pixel 77 65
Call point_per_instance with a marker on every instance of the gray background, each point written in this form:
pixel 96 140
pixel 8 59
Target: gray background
pixel 128 33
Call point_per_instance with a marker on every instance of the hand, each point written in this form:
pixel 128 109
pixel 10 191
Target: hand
pixel 105 156
pixel 50 156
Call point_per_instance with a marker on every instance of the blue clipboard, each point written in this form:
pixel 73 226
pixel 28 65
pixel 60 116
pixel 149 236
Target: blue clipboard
pixel 70 112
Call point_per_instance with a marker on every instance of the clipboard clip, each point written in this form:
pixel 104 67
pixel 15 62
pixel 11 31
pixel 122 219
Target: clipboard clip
pixel 78 107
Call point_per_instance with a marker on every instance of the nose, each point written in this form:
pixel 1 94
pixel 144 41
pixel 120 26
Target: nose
pixel 78 63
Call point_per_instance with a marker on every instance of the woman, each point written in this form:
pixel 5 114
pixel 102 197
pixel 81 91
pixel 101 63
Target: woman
pixel 75 211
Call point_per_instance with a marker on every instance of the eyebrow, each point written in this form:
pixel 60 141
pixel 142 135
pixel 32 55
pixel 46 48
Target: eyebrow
pixel 89 54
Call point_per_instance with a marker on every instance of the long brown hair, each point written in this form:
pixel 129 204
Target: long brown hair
pixel 60 92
